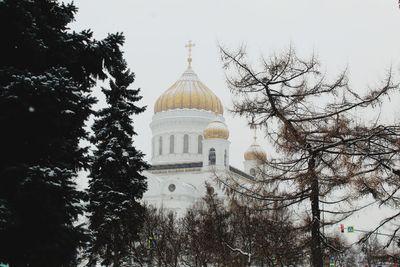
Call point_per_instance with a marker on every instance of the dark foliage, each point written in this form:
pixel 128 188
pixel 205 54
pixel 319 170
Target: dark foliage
pixel 214 234
pixel 116 184
pixel 46 74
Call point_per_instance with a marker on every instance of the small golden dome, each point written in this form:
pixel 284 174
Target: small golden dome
pixel 188 93
pixel 255 152
pixel 217 129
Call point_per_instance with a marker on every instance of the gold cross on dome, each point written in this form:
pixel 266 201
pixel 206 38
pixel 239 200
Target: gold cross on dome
pixel 189 46
pixel 255 134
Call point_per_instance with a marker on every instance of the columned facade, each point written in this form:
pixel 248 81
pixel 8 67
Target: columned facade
pixel 190 145
pixel 186 127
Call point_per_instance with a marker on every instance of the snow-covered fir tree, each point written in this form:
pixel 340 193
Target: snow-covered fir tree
pixel 46 74
pixel 116 185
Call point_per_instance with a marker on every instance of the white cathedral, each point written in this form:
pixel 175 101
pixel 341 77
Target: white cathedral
pixel 190 145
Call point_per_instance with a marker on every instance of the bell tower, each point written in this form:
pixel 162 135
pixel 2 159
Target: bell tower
pixel 254 158
pixel 216 145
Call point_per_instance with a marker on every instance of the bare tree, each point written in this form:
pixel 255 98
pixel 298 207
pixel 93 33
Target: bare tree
pixel 265 238
pixel 235 233
pixel 160 242
pixel 324 151
pixel 206 232
pixel 341 253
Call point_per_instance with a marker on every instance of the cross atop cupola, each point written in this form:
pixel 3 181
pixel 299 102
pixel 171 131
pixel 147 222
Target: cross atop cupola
pixel 189 46
pixel 255 134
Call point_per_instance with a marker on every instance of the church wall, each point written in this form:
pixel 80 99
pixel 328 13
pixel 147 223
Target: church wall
pixel 178 123
pixel 178 112
pixel 220 145
pixel 250 164
pixel 179 143
pixel 190 187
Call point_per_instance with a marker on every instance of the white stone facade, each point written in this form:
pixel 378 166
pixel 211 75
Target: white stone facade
pixel 178 123
pixel 183 160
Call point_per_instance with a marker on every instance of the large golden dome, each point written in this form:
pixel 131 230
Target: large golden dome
pixel 188 93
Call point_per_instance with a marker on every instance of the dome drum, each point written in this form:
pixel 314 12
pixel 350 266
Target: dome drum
pixel 183 118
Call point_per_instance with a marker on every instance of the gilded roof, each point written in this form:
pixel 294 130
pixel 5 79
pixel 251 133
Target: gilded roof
pixel 255 152
pixel 188 93
pixel 216 130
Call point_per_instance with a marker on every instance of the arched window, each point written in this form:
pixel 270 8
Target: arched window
pixel 160 146
pixel 171 144
pixel 186 143
pixel 225 158
pixel 211 157
pixel 200 144
pixel 252 172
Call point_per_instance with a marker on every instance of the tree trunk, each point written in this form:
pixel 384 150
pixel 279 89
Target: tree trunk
pixel 316 249
pixel 116 260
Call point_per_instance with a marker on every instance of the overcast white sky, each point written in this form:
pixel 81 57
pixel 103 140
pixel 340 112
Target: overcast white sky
pixel 361 34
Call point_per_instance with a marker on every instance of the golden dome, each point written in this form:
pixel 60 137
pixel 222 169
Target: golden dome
pixel 217 129
pixel 189 93
pixel 255 152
